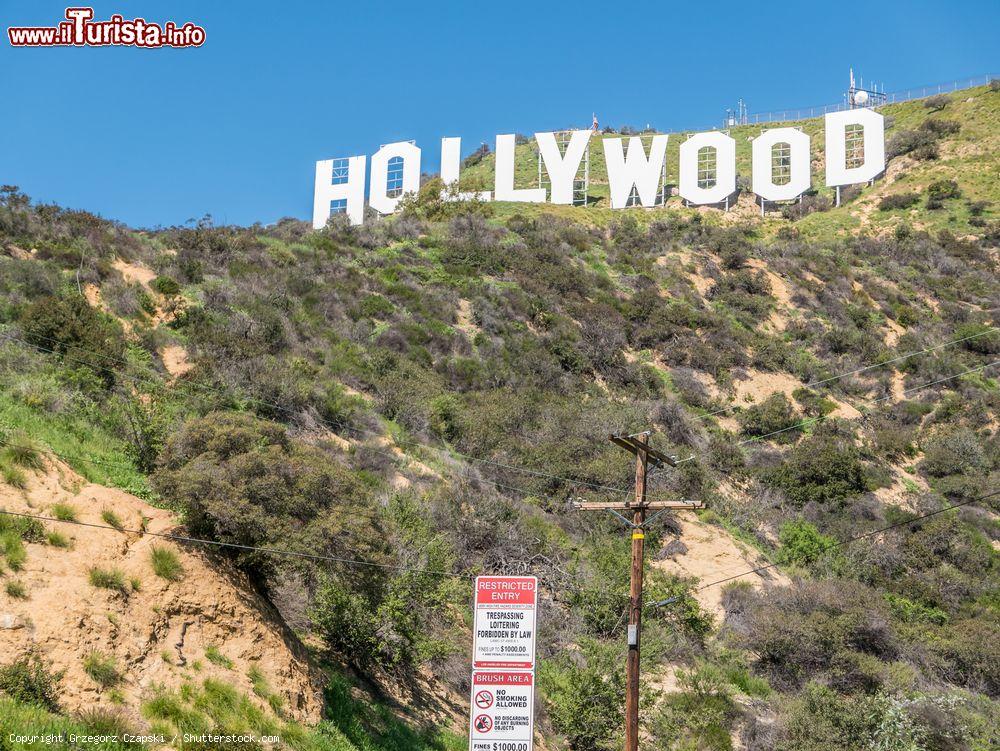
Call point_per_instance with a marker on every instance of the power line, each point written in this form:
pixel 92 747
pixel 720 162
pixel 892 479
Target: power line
pixel 866 368
pixel 334 425
pixel 813 420
pixel 567 480
pixel 255 548
pixel 842 543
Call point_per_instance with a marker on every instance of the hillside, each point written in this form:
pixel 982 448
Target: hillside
pixel 153 623
pixel 421 399
pixel 958 157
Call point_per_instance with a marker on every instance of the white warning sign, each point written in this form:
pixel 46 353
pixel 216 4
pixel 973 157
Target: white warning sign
pixel 502 716
pixel 505 622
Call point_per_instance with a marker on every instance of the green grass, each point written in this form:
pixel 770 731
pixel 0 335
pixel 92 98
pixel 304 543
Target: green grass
pixel 87 448
pixel 18 719
pixel 17 590
pixel 373 726
pixel 112 579
pixel 102 669
pixel 63 512
pixel 23 451
pixel 13 476
pixel 962 159
pixel 166 563
pixel 58 540
pixel 263 689
pixel 12 549
pixel 112 519
pixel 214 656
pixel 349 725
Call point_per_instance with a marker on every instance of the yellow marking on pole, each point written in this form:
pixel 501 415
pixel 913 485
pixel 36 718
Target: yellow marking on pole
pixel 638 534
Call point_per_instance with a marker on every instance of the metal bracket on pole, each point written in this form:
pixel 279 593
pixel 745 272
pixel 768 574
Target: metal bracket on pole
pixel 668 601
pixel 626 521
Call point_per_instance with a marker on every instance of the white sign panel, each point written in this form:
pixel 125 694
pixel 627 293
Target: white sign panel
pixel 504 630
pixel 503 710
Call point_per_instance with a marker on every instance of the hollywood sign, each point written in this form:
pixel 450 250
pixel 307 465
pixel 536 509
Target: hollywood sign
pixel 395 168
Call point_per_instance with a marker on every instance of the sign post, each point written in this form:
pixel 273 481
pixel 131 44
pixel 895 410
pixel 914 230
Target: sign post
pixel 502 713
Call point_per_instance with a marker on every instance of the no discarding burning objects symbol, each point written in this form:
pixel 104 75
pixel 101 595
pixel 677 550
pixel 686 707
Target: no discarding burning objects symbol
pixel 504 636
pixel 484 723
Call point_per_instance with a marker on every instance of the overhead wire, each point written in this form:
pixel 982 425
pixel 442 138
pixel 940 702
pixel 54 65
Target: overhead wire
pixel 813 420
pixel 873 366
pixel 254 548
pixel 331 424
pixel 842 543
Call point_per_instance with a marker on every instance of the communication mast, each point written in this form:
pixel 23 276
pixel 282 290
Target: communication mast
pixel 737 116
pixel 859 96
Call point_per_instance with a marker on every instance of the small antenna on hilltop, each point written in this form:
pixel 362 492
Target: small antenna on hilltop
pixel 737 116
pixel 859 96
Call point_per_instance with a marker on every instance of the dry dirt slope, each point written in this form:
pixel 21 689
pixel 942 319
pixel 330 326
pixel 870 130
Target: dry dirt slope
pixel 157 635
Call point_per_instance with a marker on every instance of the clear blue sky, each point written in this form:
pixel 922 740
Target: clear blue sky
pixel 156 137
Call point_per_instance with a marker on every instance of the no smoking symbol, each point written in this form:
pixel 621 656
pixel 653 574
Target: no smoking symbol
pixel 484 700
pixel 484 723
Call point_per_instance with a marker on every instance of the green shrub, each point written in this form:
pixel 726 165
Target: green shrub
pixel 76 331
pixel 911 611
pixel 583 696
pixel 700 716
pixel 166 286
pixel 813 404
pixel 166 563
pixel 823 469
pixel 898 201
pixel 146 303
pixel 29 680
pixel 375 306
pixel 953 450
pixel 986 339
pixel 801 544
pixel 103 669
pixel 112 579
pixel 819 719
pixel 942 190
pixel 774 414
pixel 445 411
pixel 937 102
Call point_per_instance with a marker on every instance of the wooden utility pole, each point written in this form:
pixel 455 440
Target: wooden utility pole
pixel 635 597
pixel 637 444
